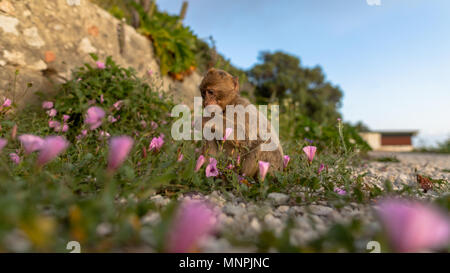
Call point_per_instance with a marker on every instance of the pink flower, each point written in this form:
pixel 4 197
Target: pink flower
pixel 118 104
pixel 100 65
pixel 310 151
pixel 119 148
pixel 211 170
pixel 103 135
pixel 180 157
pixel 52 112
pixel 31 143
pixel 200 162
pixel 286 159
pixel 412 226
pixel 156 143
pixel 82 135
pixel 111 119
pixel 94 117
pixel 3 143
pixel 263 168
pixel 7 103
pixel 53 124
pixel 241 178
pixel 321 168
pixel 238 160
pixel 47 105
pixel 193 221
pixel 228 132
pixel 101 98
pixel 66 118
pixel 63 128
pixel 154 125
pixel 14 158
pixel 150 72
pixel 230 167
pixel 57 126
pixel 143 123
pixel 340 191
pixel 51 148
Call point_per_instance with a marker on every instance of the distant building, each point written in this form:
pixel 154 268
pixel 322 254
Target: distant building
pixel 391 141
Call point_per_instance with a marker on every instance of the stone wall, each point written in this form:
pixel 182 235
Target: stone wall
pixel 44 40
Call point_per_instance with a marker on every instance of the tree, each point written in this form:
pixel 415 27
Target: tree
pixel 280 76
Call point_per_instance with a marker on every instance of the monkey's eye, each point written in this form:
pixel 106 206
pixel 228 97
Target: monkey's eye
pixel 210 92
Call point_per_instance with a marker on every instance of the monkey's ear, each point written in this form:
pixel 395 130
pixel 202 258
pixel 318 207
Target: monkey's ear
pixel 211 70
pixel 236 83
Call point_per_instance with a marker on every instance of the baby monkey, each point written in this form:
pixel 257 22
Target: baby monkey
pixel 220 88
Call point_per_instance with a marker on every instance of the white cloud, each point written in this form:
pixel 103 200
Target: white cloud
pixel 373 2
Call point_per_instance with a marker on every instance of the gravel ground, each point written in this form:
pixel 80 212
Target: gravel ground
pixel 246 219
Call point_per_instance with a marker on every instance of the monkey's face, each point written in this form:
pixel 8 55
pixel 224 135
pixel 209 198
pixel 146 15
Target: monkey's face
pixel 211 97
pixel 218 88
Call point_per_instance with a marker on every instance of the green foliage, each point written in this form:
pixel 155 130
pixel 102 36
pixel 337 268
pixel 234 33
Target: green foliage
pixel 294 125
pixel 105 87
pixel 393 159
pixel 75 198
pixel 444 147
pixel 174 43
pixel 441 147
pixel 179 51
pixel 118 8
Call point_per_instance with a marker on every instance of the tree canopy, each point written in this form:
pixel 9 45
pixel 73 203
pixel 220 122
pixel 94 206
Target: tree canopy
pixel 280 75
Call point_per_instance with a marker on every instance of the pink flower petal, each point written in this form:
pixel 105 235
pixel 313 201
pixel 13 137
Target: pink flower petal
pixel 94 117
pixel 263 168
pixel 200 162
pixel 310 151
pixel 286 160
pixel 321 168
pixel 52 112
pixel 100 65
pixel 412 226
pixel 51 148
pixel 211 170
pixel 193 222
pixel 7 103
pixel 180 157
pixel 156 143
pixel 14 158
pixel 119 148
pixel 3 143
pixel 47 105
pixel 228 132
pixel 31 143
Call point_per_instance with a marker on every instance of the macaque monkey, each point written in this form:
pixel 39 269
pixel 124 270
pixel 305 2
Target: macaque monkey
pixel 222 89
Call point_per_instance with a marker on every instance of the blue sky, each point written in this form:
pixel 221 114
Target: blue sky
pixel 391 60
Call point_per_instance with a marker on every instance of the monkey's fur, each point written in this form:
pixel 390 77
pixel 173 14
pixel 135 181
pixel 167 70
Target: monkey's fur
pixel 220 88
